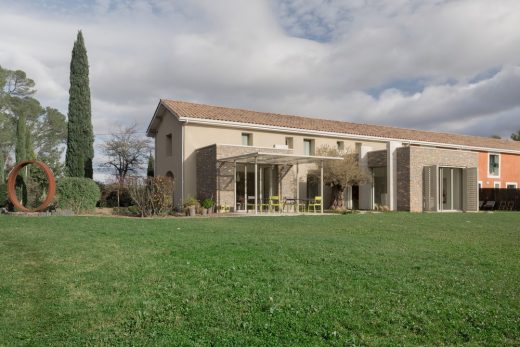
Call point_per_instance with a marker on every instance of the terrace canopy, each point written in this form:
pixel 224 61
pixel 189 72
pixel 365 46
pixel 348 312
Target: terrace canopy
pixel 262 158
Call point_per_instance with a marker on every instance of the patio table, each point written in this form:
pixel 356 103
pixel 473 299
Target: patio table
pixel 293 202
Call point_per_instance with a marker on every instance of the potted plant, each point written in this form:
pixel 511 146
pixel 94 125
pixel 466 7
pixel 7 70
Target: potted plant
pixel 191 206
pixel 207 206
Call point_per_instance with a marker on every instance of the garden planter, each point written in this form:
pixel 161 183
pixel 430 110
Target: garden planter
pixel 204 211
pixel 192 211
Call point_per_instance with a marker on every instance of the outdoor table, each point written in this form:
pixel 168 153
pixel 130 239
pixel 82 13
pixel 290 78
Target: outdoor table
pixel 293 202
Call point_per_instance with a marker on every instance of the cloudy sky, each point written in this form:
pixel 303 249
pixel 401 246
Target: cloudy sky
pixel 451 65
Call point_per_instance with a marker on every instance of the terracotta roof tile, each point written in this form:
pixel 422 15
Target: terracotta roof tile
pixel 200 111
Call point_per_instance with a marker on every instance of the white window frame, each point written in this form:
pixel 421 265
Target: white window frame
pixel 499 165
pixel 495 185
pixel 512 184
pixel 480 186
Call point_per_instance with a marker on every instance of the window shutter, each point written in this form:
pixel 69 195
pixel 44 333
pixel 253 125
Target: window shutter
pixel 470 189
pixel 430 188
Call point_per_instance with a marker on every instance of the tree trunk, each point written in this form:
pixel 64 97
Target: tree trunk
pixel 337 201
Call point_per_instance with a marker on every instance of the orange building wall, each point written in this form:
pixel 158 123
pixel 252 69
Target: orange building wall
pixel 509 170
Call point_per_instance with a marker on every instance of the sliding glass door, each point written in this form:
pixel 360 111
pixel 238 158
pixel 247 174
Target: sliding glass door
pixel 450 187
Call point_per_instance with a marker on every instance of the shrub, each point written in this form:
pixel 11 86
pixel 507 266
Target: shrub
pixel 208 203
pixel 77 194
pixel 3 195
pixel 152 195
pixel 115 195
pixel 190 201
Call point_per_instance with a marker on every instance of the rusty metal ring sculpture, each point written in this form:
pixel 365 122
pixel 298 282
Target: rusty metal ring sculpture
pixel 11 186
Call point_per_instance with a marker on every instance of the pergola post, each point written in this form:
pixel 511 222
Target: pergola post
pixel 321 186
pixel 261 193
pixel 245 187
pixel 256 185
pixel 234 186
pixel 297 188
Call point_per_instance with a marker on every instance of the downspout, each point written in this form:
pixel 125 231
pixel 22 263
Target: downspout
pixel 182 162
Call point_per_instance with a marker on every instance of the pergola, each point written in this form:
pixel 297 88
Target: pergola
pixel 259 158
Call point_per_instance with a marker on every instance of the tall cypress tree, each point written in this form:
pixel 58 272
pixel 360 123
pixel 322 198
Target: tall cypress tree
pixel 80 141
pixel 21 142
pixel 150 171
pixel 2 168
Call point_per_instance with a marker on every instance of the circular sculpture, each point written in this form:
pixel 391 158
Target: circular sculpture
pixel 11 186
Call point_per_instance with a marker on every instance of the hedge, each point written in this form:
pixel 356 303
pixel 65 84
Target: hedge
pixel 3 195
pixel 77 194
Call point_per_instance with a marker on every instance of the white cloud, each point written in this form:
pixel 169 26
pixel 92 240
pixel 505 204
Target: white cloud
pixel 312 57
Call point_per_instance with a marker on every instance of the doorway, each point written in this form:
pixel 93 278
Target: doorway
pixel 450 187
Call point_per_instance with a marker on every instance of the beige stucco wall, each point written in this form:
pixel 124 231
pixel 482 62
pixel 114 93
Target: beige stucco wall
pixel 164 162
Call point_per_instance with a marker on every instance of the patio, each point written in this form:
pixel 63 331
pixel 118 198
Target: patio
pixel 268 171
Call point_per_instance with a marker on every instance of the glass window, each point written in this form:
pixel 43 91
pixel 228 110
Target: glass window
pixel 247 139
pixel 289 142
pixel 497 185
pixel 511 186
pixel 341 146
pixel 308 147
pixel 169 145
pixel 494 165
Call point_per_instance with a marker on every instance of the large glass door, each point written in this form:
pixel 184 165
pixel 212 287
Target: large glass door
pixel 450 187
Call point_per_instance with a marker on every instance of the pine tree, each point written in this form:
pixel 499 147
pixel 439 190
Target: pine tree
pixel 80 141
pixel 150 171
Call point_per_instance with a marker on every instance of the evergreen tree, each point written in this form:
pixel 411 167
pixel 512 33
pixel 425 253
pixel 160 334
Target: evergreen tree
pixel 80 141
pixel 2 168
pixel 29 149
pixel 150 171
pixel 21 133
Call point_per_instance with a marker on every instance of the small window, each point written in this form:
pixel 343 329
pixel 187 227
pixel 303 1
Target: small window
pixel 247 139
pixel 494 165
pixel 479 184
pixel 289 142
pixel 308 147
pixel 496 185
pixel 511 185
pixel 340 145
pixel 169 145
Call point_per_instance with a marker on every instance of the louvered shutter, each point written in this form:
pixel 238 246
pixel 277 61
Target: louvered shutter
pixel 430 188
pixel 470 189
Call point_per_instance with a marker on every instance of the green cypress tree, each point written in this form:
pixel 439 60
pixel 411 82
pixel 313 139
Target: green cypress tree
pixel 80 141
pixel 21 133
pixel 2 169
pixel 150 171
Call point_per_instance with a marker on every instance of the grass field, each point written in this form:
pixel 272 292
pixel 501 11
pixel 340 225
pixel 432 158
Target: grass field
pixel 378 279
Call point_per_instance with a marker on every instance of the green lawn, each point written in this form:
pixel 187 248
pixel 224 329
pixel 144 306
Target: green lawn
pixel 378 279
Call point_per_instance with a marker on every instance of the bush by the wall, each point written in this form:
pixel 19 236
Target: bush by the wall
pixel 3 195
pixel 77 194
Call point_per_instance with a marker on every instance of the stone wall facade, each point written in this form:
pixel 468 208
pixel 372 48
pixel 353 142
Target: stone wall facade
pixel 216 180
pixel 377 158
pixel 410 165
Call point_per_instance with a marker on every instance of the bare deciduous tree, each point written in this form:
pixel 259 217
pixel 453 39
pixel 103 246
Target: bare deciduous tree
pixel 126 152
pixel 338 174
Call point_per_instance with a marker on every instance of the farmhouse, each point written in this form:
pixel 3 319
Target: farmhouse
pixel 241 158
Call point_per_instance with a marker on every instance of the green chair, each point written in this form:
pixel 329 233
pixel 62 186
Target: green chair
pixel 315 203
pixel 274 202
